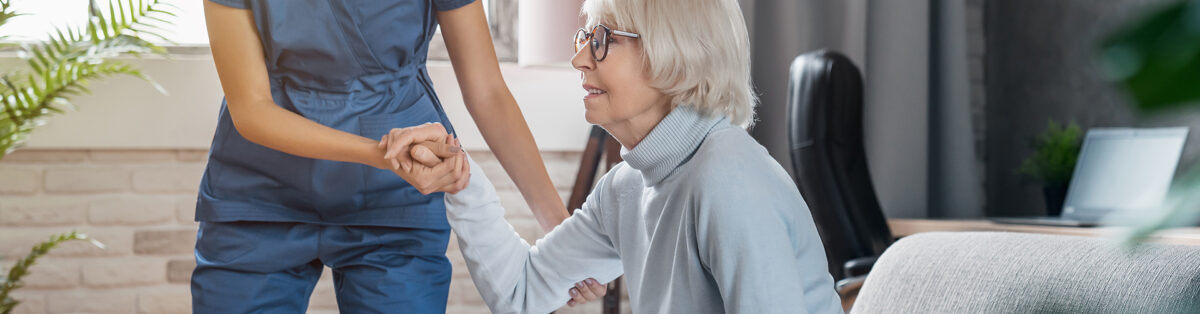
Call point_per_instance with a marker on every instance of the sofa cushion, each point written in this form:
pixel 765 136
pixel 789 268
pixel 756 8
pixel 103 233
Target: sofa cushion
pixel 998 272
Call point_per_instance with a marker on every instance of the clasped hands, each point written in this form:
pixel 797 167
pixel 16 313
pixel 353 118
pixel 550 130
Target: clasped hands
pixel 428 157
pixel 432 160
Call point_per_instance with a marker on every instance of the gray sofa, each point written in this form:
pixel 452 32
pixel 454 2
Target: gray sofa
pixel 995 272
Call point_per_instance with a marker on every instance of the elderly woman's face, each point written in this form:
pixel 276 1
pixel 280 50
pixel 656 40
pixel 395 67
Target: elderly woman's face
pixel 618 88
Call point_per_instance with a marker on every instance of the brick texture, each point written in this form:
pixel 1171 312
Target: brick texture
pixel 124 272
pixel 42 211
pixel 141 204
pixel 173 299
pixel 180 270
pixel 131 156
pixel 30 304
pixel 46 156
pixel 117 241
pixel 19 180
pixel 180 241
pixel 89 179
pixel 52 274
pixel 91 301
pixel 183 178
pixel 127 210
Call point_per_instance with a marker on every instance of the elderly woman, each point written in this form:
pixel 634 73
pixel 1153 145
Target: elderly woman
pixel 698 217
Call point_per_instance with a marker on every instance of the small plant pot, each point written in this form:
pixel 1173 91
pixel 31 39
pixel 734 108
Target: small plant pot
pixel 1055 195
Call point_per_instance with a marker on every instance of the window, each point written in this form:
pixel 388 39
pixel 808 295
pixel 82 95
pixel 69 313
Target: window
pixel 43 16
pixel 502 20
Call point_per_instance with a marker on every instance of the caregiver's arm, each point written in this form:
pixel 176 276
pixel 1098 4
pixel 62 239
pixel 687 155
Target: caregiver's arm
pixel 494 110
pixel 238 55
pixel 514 277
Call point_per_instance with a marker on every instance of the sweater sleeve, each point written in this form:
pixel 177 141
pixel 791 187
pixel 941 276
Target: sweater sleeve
pixel 511 275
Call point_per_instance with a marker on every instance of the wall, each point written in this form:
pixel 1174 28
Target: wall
pixel 889 41
pixel 140 203
pixel 897 97
pixel 125 112
pixel 125 167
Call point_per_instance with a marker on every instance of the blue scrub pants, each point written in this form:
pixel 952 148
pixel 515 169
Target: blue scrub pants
pixel 272 267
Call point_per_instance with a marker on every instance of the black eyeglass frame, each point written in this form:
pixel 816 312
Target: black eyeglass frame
pixel 594 43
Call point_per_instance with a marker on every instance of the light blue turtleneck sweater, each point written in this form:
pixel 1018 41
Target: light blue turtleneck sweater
pixel 699 219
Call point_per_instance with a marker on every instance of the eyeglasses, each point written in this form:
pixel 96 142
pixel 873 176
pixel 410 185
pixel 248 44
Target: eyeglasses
pixel 598 38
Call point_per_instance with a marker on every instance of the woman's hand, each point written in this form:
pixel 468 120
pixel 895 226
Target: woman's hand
pixel 587 291
pixel 427 157
pixel 432 154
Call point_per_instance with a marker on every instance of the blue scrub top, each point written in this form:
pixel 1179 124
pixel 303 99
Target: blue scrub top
pixel 353 65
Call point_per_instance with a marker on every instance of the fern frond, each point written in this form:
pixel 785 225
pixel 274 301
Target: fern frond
pixel 6 12
pixel 69 57
pixel 13 280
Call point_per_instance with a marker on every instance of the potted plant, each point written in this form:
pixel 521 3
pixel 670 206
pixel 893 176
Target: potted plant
pixel 61 66
pixel 1053 162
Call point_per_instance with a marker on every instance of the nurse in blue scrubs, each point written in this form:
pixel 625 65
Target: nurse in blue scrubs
pixel 296 178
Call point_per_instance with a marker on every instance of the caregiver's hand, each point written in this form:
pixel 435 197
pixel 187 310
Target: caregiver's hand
pixel 433 154
pixel 440 166
pixel 399 142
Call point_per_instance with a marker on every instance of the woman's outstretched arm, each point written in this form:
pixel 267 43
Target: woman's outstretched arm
pixel 511 275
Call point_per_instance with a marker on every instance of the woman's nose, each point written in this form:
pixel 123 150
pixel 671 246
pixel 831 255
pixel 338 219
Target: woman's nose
pixel 582 60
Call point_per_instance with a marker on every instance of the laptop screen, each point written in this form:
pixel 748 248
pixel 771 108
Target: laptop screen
pixel 1123 169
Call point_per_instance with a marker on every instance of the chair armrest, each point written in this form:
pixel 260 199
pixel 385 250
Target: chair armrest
pixel 848 289
pixel 859 266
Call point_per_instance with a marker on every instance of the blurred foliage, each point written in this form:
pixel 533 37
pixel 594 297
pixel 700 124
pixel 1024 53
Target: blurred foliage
pixel 1156 58
pixel 61 66
pixel 12 281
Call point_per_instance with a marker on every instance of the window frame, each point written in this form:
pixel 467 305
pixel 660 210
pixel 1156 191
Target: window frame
pixel 502 23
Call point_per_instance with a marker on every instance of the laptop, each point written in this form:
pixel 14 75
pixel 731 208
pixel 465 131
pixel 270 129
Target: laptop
pixel 1120 172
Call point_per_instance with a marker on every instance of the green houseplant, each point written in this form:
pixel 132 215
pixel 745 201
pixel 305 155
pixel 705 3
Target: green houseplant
pixel 12 281
pixel 61 66
pixel 1053 162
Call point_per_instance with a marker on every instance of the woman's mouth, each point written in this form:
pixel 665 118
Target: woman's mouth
pixel 593 92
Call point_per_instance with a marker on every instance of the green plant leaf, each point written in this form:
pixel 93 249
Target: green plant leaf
pixel 12 281
pixel 63 64
pixel 1157 58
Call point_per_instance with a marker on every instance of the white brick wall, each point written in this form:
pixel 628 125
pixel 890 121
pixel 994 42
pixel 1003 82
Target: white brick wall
pixel 140 203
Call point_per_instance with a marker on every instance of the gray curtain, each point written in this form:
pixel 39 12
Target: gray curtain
pixel 782 30
pixel 955 171
pixel 918 139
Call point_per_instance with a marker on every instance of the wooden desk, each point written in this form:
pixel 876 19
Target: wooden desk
pixel 905 227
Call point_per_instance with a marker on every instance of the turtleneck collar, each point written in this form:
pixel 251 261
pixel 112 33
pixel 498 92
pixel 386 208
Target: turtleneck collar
pixel 670 143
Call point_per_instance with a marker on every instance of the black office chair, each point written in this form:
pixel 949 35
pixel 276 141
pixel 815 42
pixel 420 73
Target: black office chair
pixel 825 113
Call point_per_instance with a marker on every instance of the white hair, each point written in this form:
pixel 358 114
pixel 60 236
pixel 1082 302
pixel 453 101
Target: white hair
pixel 697 51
